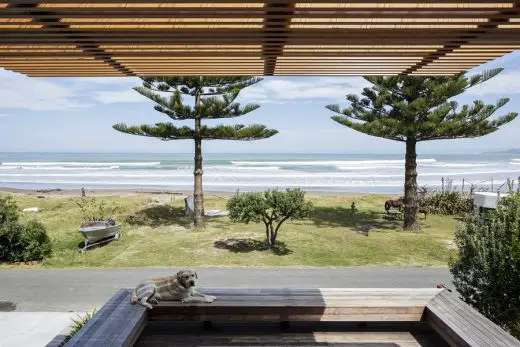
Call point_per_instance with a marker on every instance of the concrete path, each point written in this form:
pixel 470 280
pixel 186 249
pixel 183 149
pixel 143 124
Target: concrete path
pixel 82 290
pixel 32 329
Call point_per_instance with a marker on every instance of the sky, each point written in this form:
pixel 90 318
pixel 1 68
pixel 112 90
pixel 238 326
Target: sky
pixel 77 114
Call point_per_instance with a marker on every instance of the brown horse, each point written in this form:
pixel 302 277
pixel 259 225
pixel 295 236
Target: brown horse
pixel 399 204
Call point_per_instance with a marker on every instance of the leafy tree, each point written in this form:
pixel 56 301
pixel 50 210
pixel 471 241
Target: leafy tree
pixel 214 98
pixel 272 207
pixel 487 268
pixel 412 109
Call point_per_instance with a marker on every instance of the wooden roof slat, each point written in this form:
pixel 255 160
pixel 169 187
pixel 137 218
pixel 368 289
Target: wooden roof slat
pixel 304 36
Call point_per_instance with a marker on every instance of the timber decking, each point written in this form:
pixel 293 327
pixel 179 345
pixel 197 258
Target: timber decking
pixel 461 325
pixel 153 337
pixel 117 324
pixel 447 320
pixel 333 305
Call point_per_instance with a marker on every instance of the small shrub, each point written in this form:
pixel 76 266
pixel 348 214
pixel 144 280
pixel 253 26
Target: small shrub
pixel 11 246
pixel 272 207
pixel 447 202
pixel 21 242
pixel 35 241
pixel 92 210
pixel 487 269
pixel 8 210
pixel 80 322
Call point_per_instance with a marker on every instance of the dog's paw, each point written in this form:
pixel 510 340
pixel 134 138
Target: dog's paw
pixel 153 301
pixel 148 306
pixel 212 297
pixel 209 299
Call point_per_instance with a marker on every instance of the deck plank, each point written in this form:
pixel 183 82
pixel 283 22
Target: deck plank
pixel 461 325
pixel 351 339
pixel 117 324
pixel 301 304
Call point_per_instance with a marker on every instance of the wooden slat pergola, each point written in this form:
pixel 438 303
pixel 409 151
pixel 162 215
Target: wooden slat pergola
pixel 254 37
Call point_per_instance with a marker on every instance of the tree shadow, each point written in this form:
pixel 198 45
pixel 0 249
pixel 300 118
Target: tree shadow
pixel 7 306
pixel 247 245
pixel 160 215
pixel 362 222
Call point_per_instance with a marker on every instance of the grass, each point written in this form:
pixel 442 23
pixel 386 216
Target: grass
pixel 158 234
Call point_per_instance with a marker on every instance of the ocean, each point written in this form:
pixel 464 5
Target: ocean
pixel 367 173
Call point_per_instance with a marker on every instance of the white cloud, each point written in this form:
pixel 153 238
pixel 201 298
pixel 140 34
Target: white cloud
pixel 504 83
pixel 35 94
pixel 121 96
pixel 305 88
pixel 3 115
pixel 130 81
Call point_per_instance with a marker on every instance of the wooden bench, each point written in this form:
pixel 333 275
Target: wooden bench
pixel 461 325
pixel 283 305
pixel 119 324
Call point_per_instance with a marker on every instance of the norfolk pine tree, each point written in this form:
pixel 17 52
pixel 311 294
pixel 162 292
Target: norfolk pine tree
pixel 411 109
pixel 214 98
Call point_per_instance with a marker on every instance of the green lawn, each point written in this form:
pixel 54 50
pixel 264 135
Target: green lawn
pixel 331 237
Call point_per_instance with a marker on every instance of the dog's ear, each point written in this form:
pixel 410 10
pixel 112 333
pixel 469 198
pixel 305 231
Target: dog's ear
pixel 179 274
pixel 196 276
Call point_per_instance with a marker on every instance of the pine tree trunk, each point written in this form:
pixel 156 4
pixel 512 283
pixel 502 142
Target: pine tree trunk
pixel 198 195
pixel 410 185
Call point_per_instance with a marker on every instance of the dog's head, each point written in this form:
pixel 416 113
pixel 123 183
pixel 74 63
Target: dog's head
pixel 187 278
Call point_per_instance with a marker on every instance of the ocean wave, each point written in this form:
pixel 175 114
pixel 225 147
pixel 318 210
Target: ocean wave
pixel 206 184
pixel 343 163
pixel 58 168
pixel 79 164
pixel 233 184
pixel 255 168
pixel 259 175
pixel 456 165
pixel 359 168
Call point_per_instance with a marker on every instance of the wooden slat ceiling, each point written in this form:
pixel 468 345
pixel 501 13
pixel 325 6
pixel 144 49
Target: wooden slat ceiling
pixel 269 37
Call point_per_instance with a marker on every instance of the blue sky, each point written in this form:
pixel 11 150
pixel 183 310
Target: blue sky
pixel 77 114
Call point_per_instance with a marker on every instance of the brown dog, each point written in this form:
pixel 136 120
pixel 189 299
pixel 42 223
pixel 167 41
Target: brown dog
pixel 180 287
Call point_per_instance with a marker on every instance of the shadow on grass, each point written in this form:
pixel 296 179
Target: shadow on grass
pixel 7 306
pixel 362 222
pixel 161 215
pixel 247 245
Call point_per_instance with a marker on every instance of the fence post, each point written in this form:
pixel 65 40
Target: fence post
pixel 463 185
pixel 491 184
pixel 442 184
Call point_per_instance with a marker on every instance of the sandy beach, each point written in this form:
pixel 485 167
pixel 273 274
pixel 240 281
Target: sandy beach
pixel 67 193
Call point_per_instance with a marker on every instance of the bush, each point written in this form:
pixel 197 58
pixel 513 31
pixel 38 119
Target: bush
pixel 272 207
pixel 80 322
pixel 35 241
pixel 21 242
pixel 447 202
pixel 488 266
pixel 8 210
pixel 11 247
pixel 92 210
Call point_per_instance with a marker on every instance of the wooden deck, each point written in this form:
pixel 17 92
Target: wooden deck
pixel 461 325
pixel 332 305
pixel 153 337
pixel 318 317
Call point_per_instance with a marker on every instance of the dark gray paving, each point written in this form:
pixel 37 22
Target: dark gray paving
pixel 85 289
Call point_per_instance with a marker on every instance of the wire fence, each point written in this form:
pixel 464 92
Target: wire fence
pixel 487 185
